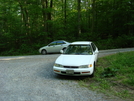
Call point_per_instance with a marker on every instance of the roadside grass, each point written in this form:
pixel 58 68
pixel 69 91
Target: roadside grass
pixel 114 76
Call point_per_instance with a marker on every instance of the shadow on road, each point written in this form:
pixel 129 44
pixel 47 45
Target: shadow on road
pixel 70 77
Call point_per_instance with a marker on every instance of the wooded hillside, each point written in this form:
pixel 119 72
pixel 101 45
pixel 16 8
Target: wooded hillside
pixel 27 25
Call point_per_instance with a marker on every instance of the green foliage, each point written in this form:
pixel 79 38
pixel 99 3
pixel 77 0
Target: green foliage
pixel 109 23
pixel 121 64
pixel 124 40
pixel 109 72
pixel 114 76
pixel 129 81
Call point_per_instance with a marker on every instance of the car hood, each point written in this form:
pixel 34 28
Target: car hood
pixel 74 60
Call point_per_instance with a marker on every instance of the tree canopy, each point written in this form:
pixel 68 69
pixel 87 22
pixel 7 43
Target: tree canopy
pixel 26 25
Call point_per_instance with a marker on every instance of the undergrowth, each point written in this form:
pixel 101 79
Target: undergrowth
pixel 114 75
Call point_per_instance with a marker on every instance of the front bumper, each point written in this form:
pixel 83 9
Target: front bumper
pixel 72 71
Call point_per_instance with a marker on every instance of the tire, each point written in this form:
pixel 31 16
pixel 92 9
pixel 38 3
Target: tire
pixel 43 52
pixel 64 49
pixel 92 75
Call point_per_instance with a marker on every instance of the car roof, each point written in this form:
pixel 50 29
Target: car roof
pixel 81 42
pixel 58 40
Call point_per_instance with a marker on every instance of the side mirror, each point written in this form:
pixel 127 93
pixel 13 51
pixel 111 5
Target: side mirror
pixel 61 51
pixel 96 52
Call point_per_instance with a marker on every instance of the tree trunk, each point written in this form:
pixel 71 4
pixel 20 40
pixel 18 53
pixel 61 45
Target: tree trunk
pixel 49 18
pixel 93 16
pixel 65 13
pixel 79 17
pixel 44 14
pixel 50 12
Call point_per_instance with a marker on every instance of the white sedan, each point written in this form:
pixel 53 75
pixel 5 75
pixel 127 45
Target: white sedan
pixel 54 47
pixel 78 59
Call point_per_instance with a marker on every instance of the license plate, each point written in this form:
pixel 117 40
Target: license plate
pixel 70 71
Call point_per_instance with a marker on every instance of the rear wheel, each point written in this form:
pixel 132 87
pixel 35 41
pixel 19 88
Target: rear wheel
pixel 43 52
pixel 64 49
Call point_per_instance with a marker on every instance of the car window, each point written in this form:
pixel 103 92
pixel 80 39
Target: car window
pixel 79 50
pixel 60 42
pixel 93 46
pixel 52 43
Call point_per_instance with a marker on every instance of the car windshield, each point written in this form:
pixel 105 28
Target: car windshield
pixel 79 50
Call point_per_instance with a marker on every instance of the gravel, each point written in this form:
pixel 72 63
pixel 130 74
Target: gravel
pixel 31 78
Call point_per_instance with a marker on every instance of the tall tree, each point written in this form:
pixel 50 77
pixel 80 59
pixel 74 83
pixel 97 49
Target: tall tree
pixel 79 16
pixel 93 16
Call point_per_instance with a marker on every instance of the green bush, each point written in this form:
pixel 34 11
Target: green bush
pixel 109 72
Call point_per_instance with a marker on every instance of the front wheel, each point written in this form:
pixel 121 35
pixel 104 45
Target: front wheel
pixel 43 52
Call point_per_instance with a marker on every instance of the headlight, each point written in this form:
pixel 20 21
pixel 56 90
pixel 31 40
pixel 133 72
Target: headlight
pixel 86 66
pixel 58 65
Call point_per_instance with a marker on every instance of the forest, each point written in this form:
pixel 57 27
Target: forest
pixel 27 25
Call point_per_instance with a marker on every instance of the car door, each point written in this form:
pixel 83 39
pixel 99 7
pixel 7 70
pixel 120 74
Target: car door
pixel 51 47
pixel 59 46
pixel 95 50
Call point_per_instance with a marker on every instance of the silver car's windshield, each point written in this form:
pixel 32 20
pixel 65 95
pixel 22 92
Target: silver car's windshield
pixel 79 50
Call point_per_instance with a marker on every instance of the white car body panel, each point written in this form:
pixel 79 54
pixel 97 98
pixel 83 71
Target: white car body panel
pixel 76 71
pixel 74 60
pixel 70 63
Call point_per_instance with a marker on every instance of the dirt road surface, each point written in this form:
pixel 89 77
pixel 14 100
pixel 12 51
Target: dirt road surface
pixel 31 78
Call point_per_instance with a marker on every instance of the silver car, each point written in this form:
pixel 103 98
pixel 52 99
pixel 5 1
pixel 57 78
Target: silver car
pixel 54 47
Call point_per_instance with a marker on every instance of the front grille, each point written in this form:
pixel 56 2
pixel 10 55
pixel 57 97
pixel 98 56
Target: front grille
pixel 71 67
pixel 76 72
pixel 63 72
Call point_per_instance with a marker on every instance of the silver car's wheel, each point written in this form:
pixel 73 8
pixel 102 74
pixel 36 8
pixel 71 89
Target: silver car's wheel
pixel 43 52
pixel 64 49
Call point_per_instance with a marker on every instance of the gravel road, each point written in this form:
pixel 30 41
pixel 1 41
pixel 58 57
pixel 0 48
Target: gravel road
pixel 31 78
